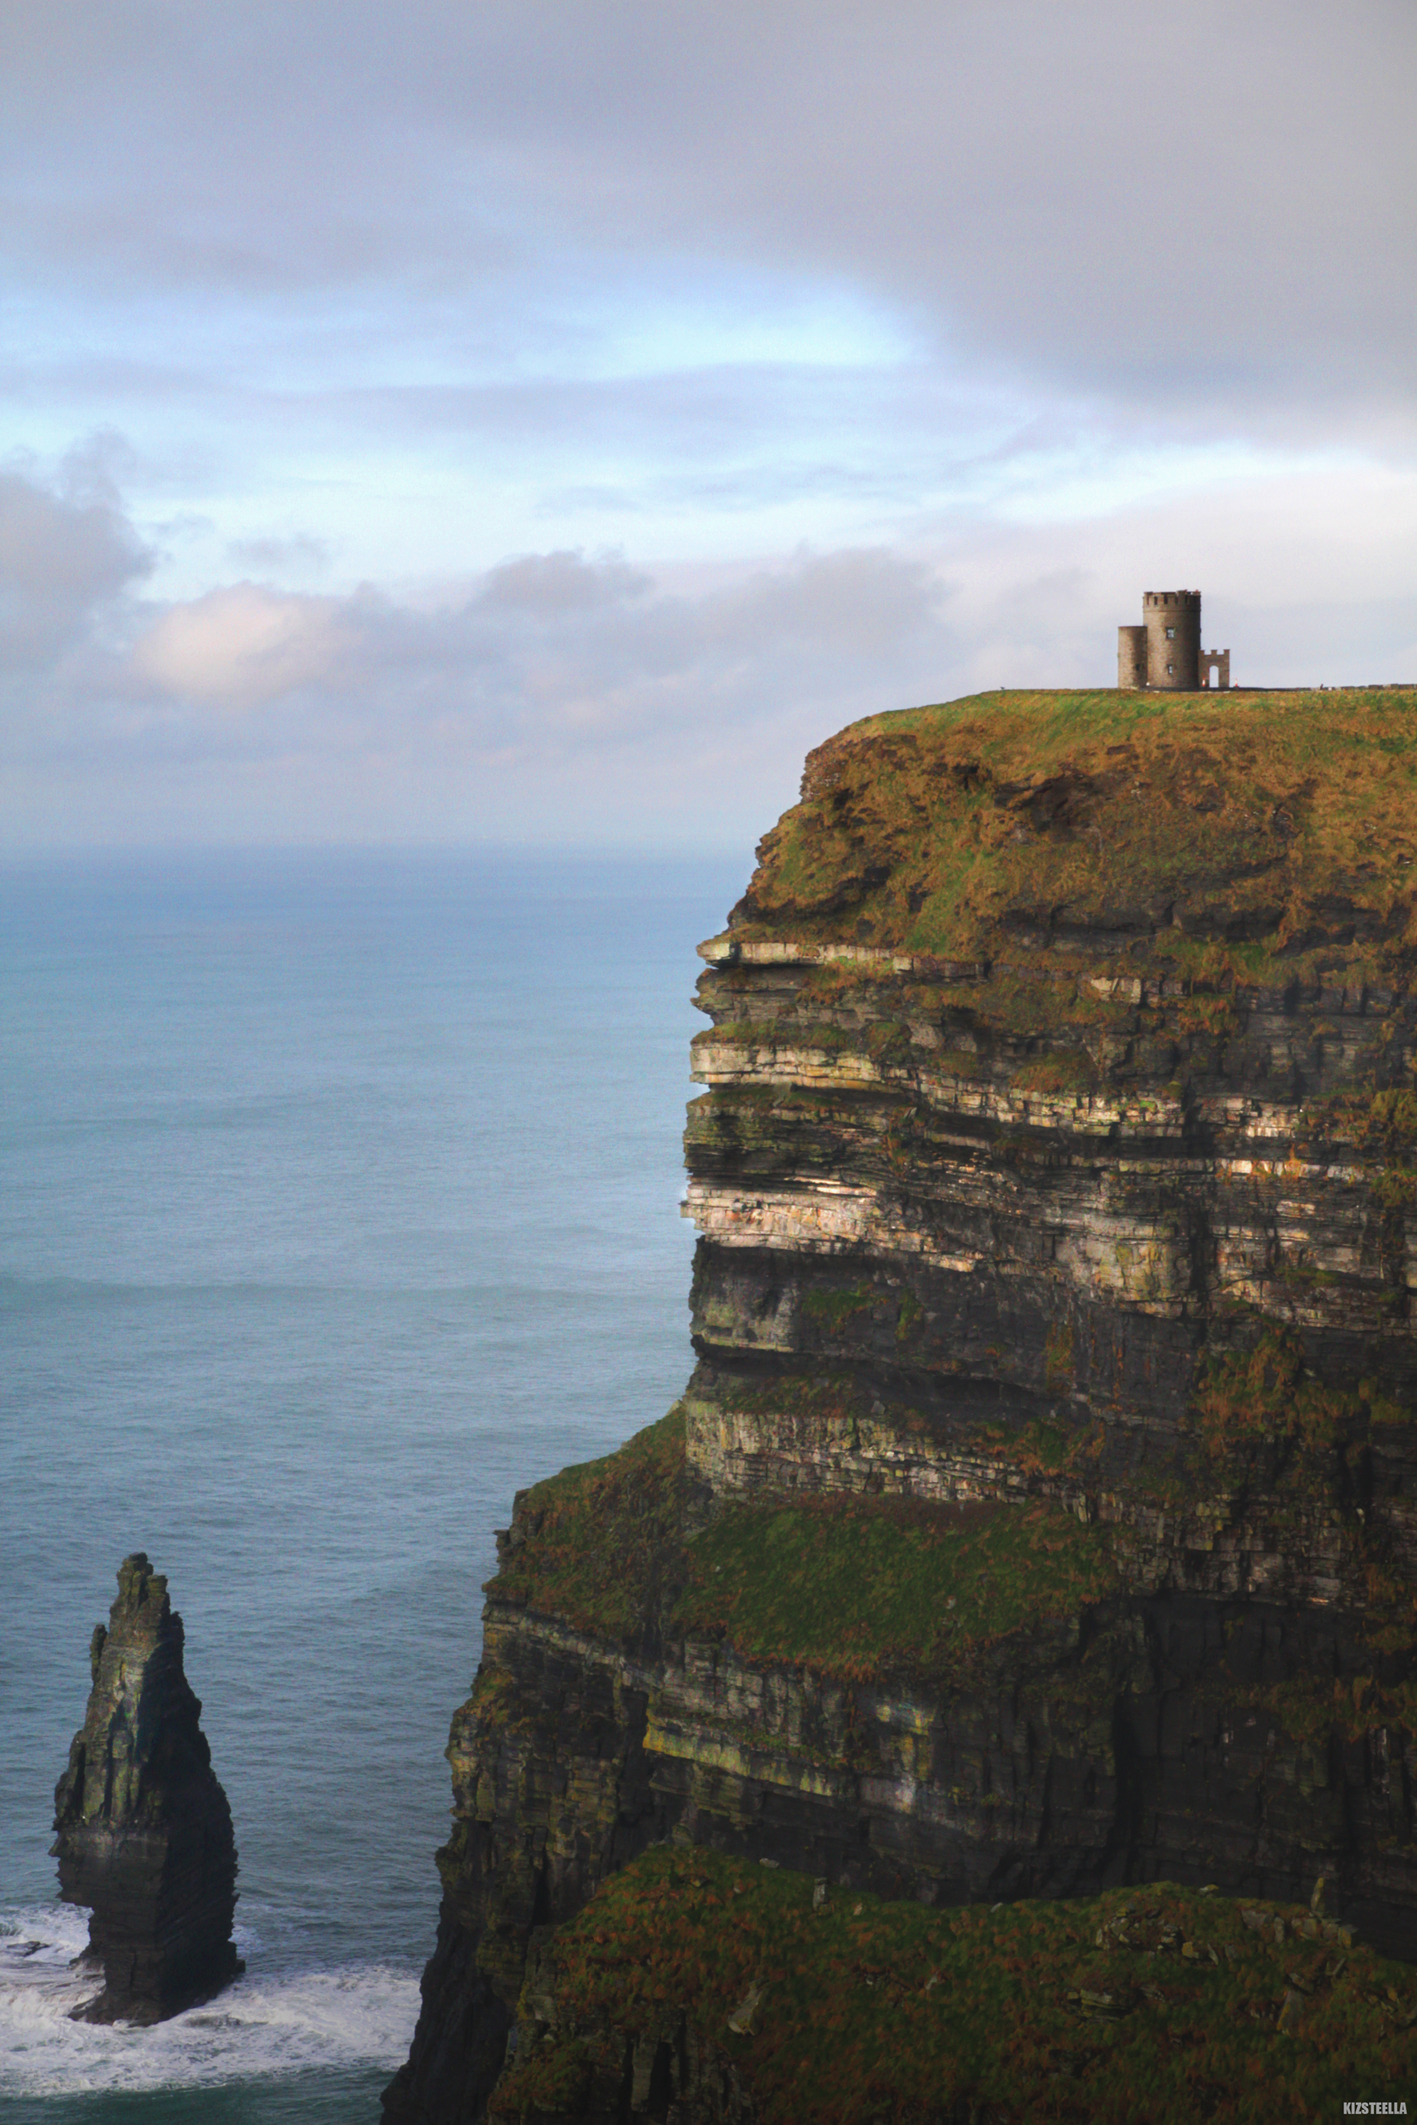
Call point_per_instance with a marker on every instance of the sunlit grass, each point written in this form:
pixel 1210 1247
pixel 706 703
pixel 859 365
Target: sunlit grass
pixel 1244 832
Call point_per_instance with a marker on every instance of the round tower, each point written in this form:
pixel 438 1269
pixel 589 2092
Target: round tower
pixel 1173 639
pixel 1131 658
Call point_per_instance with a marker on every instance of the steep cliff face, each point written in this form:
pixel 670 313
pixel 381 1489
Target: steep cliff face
pixel 145 1838
pixel 1042 1512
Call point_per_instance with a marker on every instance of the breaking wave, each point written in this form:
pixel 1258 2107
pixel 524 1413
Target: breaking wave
pixel 263 2026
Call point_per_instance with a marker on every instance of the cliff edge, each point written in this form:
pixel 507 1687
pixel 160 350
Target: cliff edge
pixel 1040 1521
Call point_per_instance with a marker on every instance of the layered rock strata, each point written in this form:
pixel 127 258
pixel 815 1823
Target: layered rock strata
pixel 145 1834
pixel 1055 1179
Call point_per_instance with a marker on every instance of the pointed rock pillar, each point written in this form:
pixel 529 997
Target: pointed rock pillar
pixel 145 1838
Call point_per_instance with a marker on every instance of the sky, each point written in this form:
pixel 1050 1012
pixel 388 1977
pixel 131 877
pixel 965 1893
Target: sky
pixel 485 424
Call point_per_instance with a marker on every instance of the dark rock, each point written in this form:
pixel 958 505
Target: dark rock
pixel 145 1838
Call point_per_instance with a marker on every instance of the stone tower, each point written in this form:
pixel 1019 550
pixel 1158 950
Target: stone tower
pixel 1131 658
pixel 1165 651
pixel 1173 639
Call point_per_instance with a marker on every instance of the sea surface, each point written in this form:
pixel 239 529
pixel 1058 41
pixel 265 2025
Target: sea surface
pixel 338 1200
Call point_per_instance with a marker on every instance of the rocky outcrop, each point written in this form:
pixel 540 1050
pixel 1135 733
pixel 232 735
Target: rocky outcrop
pixel 1042 1512
pixel 695 1988
pixel 145 1836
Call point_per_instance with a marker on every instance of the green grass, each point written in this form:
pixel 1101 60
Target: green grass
pixel 861 1588
pixel 1042 1446
pixel 1274 823
pixel 829 1394
pixel 867 1587
pixel 853 1587
pixel 598 1545
pixel 1156 2003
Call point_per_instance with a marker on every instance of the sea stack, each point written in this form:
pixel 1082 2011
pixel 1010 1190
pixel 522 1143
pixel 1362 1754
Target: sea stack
pixel 145 1837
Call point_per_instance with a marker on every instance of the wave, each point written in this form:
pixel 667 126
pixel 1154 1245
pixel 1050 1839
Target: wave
pixel 263 2026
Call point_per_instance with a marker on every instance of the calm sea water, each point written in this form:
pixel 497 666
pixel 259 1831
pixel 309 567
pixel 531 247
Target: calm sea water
pixel 338 1198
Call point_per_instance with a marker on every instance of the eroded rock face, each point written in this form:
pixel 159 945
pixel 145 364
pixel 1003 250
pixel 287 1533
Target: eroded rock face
pixel 145 1836
pixel 1058 1157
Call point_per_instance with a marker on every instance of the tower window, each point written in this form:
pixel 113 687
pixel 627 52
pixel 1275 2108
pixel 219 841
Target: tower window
pixel 1170 634
pixel 1170 671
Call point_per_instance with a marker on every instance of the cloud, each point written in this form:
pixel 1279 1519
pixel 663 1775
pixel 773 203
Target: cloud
pixel 550 585
pixel 65 558
pixel 298 554
pixel 554 695
pixel 1209 209
pixel 385 296
pixel 594 700
pixel 243 646
pixel 548 653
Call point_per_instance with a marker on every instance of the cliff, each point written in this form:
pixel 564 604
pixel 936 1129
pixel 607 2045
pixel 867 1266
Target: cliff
pixel 145 1838
pixel 1039 1520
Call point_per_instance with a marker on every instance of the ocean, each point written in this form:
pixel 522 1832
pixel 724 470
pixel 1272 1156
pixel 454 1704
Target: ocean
pixel 338 1200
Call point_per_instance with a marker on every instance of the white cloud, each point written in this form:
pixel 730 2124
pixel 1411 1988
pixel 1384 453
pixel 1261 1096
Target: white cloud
pixel 557 697
pixel 436 284
pixel 243 646
pixel 554 696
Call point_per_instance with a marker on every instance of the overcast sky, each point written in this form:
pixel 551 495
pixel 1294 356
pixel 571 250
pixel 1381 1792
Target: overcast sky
pixel 542 422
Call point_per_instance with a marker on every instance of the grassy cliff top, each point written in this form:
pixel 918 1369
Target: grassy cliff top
pixel 1278 831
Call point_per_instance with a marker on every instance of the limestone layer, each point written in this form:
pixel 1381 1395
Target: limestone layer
pixel 145 1835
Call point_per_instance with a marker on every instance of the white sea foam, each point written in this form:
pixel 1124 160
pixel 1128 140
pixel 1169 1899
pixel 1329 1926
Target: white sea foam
pixel 262 2025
